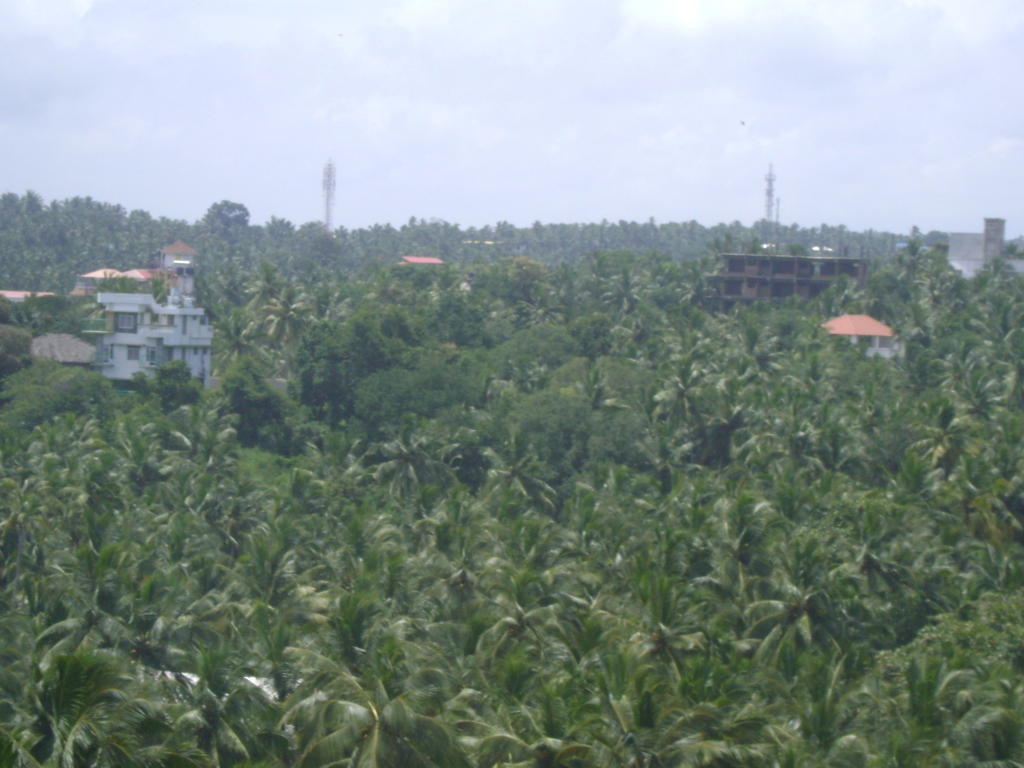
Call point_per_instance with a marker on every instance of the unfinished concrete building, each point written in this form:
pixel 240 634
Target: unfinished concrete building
pixel 746 277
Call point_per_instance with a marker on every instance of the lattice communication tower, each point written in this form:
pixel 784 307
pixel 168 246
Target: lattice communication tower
pixel 329 184
pixel 769 195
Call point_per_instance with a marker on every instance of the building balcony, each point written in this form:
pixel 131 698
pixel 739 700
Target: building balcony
pixel 172 335
pixel 94 325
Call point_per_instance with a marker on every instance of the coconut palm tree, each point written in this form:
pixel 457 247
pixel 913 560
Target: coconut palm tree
pixel 86 712
pixel 408 461
pixel 285 317
pixel 225 713
pixel 236 337
pixel 516 474
pixel 339 721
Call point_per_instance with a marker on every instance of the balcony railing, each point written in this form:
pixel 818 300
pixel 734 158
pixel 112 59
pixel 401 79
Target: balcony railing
pixel 94 325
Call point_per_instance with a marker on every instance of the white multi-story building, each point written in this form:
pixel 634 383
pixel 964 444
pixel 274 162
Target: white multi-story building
pixel 138 334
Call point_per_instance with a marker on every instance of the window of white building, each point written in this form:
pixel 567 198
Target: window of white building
pixel 126 322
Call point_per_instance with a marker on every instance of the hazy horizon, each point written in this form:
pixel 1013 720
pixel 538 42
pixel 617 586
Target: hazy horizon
pixel 883 114
pixel 492 224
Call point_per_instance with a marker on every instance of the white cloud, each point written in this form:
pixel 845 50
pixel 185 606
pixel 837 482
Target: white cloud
pixel 56 20
pixel 859 24
pixel 1004 146
pixel 420 14
pixel 548 109
pixel 974 21
pixel 48 12
pixel 691 16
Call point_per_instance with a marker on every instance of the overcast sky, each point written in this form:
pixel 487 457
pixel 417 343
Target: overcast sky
pixel 878 114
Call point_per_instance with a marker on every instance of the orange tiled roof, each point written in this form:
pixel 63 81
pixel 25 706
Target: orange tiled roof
pixel 22 295
pixel 857 325
pixel 139 274
pixel 422 260
pixel 102 274
pixel 177 248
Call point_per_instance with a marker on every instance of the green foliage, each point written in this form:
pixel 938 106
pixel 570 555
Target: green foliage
pixel 531 354
pixel 45 245
pixel 160 288
pixel 227 219
pixel 422 386
pixel 611 438
pixel 334 358
pixel 45 389
pixel 324 381
pixel 458 318
pixel 557 427
pixel 171 386
pixel 566 517
pixel 261 411
pixel 988 631
pixel 517 280
pixel 15 349
pixel 117 285
pixel 592 334
pixel 47 314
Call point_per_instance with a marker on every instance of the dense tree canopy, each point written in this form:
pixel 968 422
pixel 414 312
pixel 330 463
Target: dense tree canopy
pixel 544 514
pixel 43 246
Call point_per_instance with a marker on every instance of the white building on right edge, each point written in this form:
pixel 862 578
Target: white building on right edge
pixel 970 252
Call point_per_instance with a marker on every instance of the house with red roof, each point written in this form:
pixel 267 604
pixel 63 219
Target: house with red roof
pixel 177 262
pixel 174 263
pixel 879 339
pixel 86 284
pixel 19 296
pixel 421 260
pixel 178 248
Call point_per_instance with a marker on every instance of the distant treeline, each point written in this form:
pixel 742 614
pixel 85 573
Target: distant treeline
pixel 43 246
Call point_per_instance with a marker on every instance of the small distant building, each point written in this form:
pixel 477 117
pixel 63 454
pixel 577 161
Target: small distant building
pixel 880 339
pixel 176 262
pixel 970 252
pixel 138 334
pixel 421 260
pixel 87 284
pixel 63 348
pixel 19 296
pixel 747 277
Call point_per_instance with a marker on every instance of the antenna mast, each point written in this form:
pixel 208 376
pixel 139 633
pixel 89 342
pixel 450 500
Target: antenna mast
pixel 771 211
pixel 329 184
pixel 769 195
